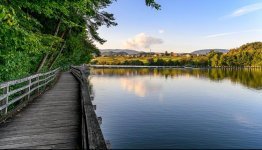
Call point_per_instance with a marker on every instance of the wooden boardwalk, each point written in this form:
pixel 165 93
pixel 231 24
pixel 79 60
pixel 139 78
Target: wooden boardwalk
pixel 52 121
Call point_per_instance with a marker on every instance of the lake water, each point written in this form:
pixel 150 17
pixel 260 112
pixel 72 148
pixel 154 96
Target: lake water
pixel 179 108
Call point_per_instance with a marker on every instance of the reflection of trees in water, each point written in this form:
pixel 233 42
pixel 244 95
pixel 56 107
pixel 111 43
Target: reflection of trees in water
pixel 251 78
pixel 90 87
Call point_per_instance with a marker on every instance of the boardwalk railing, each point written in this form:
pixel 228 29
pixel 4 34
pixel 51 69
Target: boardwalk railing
pixel 92 137
pixel 15 93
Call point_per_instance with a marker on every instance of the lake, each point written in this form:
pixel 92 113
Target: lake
pixel 179 108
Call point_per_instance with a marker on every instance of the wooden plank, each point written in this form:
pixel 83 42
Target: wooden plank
pixel 44 139
pixel 42 125
pixel 37 131
pixel 44 119
pixel 55 146
pixel 51 121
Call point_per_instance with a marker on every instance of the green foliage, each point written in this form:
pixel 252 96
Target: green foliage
pixel 153 4
pixel 40 35
pixel 19 48
pixel 78 51
pixel 133 62
pixel 247 55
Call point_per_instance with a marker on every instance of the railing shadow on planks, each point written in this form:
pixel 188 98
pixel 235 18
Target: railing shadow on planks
pixel 92 137
pixel 14 95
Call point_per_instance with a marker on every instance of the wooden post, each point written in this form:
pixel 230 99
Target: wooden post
pixel 29 88
pixel 99 119
pixel 108 144
pixel 38 85
pixel 94 107
pixel 92 97
pixel 44 83
pixel 6 91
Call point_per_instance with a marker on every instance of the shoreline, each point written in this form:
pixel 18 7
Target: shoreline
pixel 178 67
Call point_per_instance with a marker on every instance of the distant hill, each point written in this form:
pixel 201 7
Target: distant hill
pixel 110 52
pixel 205 51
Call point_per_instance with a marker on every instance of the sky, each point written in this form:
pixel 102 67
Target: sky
pixel 183 25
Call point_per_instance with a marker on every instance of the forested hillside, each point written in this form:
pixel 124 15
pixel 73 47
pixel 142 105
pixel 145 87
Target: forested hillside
pixel 247 55
pixel 37 35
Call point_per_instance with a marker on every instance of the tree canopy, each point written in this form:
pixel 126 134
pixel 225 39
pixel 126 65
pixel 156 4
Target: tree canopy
pixel 40 35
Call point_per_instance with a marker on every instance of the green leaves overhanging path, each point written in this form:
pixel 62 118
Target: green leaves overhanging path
pixel 39 35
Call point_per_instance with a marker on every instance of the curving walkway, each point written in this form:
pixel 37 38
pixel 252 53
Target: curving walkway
pixel 50 122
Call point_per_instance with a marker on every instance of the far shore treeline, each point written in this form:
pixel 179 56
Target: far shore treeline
pixel 248 55
pixel 39 35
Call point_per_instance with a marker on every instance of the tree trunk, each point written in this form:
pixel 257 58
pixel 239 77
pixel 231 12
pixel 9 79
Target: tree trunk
pixel 42 63
pixel 61 50
pixel 53 54
pixel 58 27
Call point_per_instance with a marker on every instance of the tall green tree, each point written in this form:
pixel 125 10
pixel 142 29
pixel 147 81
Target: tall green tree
pixel 39 35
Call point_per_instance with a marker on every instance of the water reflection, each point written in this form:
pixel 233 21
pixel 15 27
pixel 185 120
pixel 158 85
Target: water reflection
pixel 179 108
pixel 243 120
pixel 251 78
pixel 138 86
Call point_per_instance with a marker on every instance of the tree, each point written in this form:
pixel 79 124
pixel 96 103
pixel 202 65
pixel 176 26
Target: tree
pixel 153 4
pixel 160 62
pixel 249 54
pixel 39 35
pixel 166 53
pixel 150 62
pixel 214 60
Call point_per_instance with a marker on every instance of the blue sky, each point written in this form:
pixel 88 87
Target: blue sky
pixel 183 25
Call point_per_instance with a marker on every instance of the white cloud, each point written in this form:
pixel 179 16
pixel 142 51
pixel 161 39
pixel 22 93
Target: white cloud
pixel 161 31
pixel 142 40
pixel 246 9
pixel 231 33
pixel 253 30
pixel 220 34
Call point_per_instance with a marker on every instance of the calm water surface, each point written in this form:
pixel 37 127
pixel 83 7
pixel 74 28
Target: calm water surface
pixel 179 108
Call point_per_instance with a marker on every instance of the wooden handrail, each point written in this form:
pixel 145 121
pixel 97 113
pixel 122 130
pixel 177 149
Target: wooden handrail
pixel 22 90
pixel 92 137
